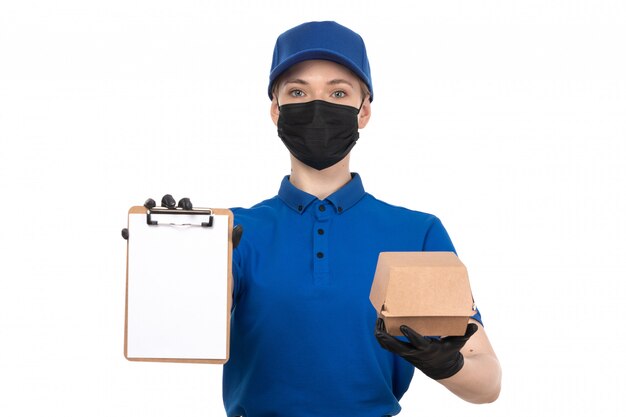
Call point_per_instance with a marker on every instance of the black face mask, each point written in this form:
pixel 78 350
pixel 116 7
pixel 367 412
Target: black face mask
pixel 318 133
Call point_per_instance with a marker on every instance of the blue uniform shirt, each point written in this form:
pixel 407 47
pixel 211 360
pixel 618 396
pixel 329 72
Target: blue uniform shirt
pixel 302 326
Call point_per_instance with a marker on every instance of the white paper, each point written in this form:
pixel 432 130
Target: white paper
pixel 177 288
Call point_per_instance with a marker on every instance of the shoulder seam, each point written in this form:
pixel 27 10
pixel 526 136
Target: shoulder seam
pixel 400 207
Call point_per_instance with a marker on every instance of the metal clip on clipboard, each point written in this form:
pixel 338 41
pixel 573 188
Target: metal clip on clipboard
pixel 157 211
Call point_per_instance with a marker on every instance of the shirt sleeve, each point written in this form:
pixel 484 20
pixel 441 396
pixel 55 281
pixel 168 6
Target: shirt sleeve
pixel 438 240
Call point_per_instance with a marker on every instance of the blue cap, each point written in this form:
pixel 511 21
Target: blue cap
pixel 321 40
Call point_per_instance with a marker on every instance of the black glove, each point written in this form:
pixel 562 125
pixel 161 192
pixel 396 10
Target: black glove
pixel 185 203
pixel 438 359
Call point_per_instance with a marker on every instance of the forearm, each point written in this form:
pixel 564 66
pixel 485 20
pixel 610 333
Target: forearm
pixel 478 381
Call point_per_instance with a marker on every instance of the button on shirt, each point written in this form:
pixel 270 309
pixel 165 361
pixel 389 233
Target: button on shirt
pixel 302 325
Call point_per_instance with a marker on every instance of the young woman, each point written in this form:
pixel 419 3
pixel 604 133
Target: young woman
pixel 305 340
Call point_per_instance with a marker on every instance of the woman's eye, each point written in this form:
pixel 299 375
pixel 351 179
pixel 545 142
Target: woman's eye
pixel 297 93
pixel 339 94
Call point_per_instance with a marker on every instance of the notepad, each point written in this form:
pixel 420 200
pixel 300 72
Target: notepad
pixel 179 285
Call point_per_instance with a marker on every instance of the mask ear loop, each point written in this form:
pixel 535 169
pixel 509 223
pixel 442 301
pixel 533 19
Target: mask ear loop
pixel 362 101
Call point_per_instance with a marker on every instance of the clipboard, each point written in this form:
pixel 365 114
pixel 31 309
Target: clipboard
pixel 178 285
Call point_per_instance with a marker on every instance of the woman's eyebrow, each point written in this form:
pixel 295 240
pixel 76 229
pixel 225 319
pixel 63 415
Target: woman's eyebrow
pixel 340 81
pixel 296 81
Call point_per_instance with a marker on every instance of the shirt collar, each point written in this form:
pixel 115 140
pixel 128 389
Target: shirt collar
pixel 344 198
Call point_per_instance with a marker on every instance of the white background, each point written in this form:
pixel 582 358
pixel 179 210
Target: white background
pixel 505 119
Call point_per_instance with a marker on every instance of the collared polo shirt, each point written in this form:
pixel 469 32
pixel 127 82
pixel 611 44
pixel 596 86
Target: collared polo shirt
pixel 302 325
